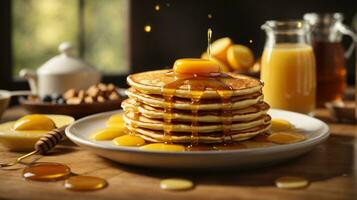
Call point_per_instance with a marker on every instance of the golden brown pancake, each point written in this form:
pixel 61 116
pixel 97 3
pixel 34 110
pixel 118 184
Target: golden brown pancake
pixel 216 137
pixel 151 82
pixel 185 104
pixel 245 114
pixel 155 124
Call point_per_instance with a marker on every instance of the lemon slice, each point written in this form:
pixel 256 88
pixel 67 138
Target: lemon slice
pixel 219 48
pixel 240 57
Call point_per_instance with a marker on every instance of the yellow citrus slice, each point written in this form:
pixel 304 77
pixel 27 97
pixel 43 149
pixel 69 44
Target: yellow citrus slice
pixel 240 57
pixel 219 48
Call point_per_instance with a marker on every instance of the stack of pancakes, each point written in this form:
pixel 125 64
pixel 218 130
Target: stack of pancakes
pixel 146 106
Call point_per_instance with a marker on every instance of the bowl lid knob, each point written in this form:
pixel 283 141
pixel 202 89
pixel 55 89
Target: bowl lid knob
pixel 66 48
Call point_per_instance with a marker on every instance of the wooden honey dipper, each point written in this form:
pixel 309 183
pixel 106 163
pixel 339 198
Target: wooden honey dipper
pixel 43 145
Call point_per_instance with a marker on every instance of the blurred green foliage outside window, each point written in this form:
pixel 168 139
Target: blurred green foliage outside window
pixel 101 27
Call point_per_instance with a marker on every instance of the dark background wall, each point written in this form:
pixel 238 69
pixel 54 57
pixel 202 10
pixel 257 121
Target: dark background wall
pixel 180 29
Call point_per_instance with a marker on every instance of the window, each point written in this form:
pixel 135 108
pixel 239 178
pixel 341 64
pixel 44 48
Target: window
pixel 99 30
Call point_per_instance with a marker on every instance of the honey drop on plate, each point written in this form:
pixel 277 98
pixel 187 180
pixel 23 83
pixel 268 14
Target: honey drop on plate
pixel 176 184
pixel 116 121
pixel 129 141
pixel 200 147
pixel 278 125
pixel 286 137
pixel 232 146
pixel 46 172
pixel 163 147
pixel 109 133
pixel 85 183
pixel 291 182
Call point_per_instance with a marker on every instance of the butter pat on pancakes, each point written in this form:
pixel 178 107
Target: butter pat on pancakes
pixel 195 66
pixel 176 184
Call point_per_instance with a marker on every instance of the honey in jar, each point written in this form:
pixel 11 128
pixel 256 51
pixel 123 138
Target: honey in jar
pixel 330 54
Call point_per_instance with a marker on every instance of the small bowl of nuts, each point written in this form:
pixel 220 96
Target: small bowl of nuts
pixel 77 103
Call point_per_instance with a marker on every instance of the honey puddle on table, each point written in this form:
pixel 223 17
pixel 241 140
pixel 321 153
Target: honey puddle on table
pixel 46 171
pixel 85 183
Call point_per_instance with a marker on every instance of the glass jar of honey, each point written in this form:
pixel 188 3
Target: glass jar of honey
pixel 327 32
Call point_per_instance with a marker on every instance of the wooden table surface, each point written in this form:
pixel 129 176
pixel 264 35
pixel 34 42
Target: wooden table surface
pixel 331 168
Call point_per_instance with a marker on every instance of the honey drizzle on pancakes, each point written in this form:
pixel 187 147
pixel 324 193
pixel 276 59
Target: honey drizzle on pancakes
pixel 197 84
pixel 137 114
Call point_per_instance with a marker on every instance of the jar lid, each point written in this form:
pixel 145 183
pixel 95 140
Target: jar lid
pixel 65 62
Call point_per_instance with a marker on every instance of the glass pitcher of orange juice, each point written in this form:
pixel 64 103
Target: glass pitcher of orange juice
pixel 288 66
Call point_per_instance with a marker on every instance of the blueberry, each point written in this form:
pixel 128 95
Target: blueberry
pixel 47 98
pixel 60 100
pixel 55 97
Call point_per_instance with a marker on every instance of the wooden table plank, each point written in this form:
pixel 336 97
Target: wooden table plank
pixel 331 168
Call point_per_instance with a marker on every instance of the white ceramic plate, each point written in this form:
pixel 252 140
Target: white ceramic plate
pixel 315 131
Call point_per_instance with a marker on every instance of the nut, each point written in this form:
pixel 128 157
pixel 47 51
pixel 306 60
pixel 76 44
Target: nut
pixel 93 91
pixel 100 99
pixel 74 100
pixel 81 94
pixel 69 94
pixel 114 96
pixel 96 93
pixel 89 99
pixel 102 87
pixel 111 87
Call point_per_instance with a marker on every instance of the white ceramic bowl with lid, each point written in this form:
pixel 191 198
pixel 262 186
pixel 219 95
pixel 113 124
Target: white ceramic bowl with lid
pixel 62 72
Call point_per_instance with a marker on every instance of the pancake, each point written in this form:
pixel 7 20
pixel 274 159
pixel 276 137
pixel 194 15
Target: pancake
pixel 151 82
pixel 154 124
pixel 246 114
pixel 195 108
pixel 157 136
pixel 185 104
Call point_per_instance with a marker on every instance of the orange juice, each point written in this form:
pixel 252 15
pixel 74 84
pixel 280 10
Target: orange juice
pixel 288 72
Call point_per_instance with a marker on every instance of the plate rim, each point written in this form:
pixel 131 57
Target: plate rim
pixel 279 148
